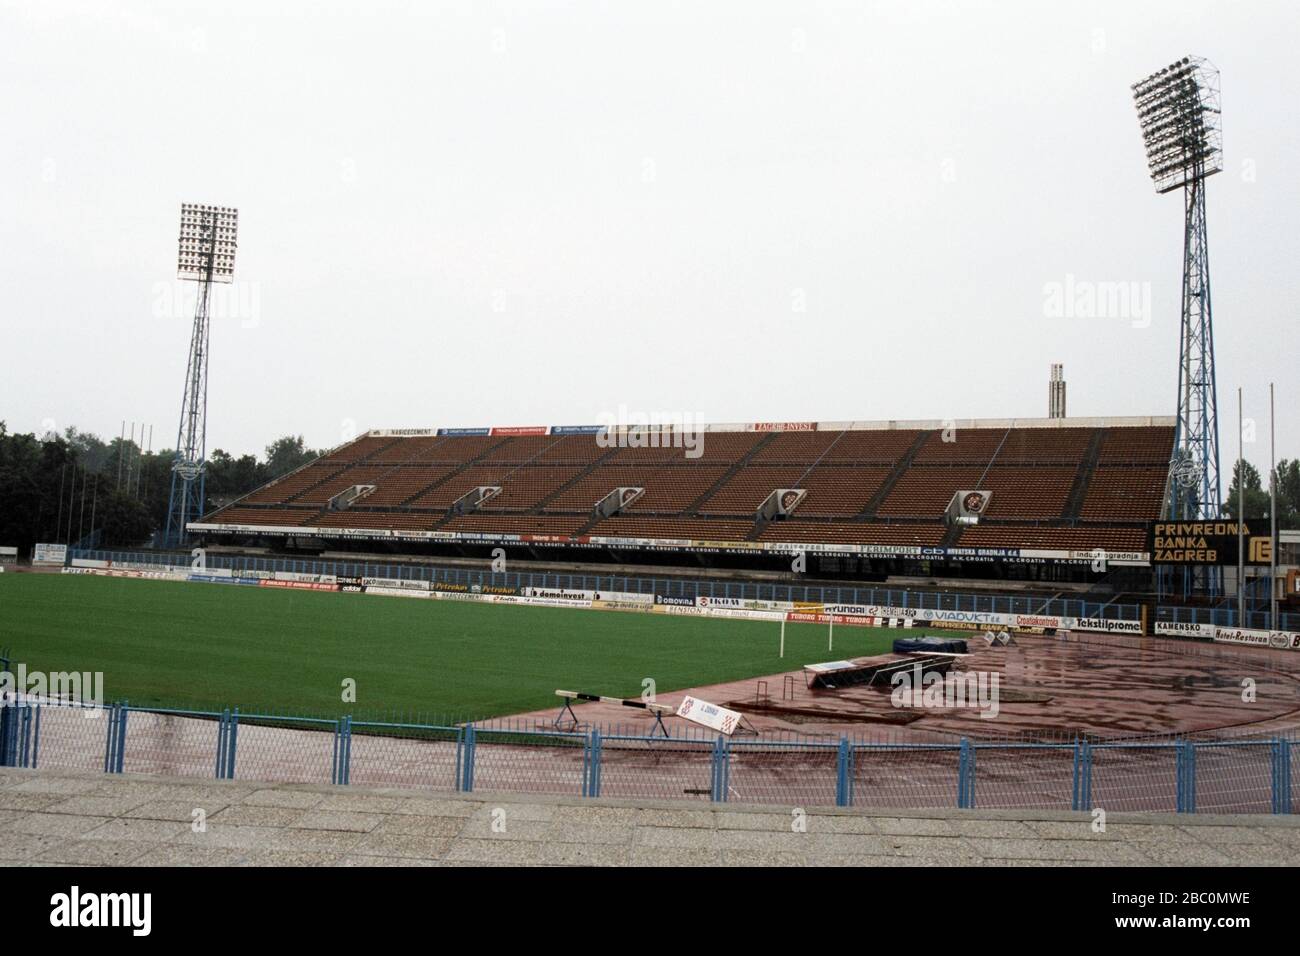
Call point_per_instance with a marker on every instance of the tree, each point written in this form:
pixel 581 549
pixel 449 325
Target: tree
pixel 231 477
pixel 1255 497
pixel 286 454
pixel 1288 493
pixel 125 521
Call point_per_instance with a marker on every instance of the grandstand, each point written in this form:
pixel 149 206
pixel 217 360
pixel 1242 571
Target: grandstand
pixel 1058 491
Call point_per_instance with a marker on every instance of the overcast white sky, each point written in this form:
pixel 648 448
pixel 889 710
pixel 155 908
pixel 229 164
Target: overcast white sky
pixel 476 213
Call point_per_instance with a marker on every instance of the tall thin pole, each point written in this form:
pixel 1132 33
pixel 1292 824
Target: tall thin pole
pixel 1241 516
pixel 81 518
pixel 1272 510
pixel 94 500
pixel 121 443
pixel 129 455
pixel 72 500
pixel 148 451
pixel 58 525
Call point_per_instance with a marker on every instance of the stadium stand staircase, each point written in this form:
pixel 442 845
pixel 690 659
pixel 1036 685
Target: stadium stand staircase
pixel 584 473
pixel 475 462
pixel 1074 503
pixel 900 468
pixel 693 509
pixel 953 534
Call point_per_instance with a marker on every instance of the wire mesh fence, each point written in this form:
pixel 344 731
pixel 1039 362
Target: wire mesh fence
pixel 792 774
pixel 1235 776
pixel 655 768
pixel 530 761
pixel 71 736
pixel 1243 774
pixel 916 776
pixel 177 742
pixel 1026 777
pixel 405 755
pixel 284 749
pixel 1136 777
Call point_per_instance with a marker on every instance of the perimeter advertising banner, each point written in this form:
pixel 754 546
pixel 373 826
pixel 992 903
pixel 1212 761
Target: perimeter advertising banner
pixel 1209 542
pixel 49 554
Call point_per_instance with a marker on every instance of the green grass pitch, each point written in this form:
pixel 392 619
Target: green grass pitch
pixel 202 645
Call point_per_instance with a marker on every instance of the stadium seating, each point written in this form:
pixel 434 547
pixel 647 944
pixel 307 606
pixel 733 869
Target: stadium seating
pixel 398 484
pixel 1119 493
pixel 1060 488
pixel 356 450
pixel 838 490
pixel 280 491
pixel 269 516
pixel 669 489
pixel 1137 446
pixel 1068 539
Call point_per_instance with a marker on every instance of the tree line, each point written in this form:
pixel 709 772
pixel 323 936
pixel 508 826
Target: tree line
pixel 1255 493
pixel 62 487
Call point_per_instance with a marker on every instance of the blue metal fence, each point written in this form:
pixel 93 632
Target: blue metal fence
pixel 1231 775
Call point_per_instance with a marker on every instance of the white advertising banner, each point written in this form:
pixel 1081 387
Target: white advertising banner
pixel 709 715
pixel 49 555
pixel 1105 625
pixel 1283 640
pixel 1185 629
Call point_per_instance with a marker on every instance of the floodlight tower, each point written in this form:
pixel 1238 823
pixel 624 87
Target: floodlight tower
pixel 1179 110
pixel 206 255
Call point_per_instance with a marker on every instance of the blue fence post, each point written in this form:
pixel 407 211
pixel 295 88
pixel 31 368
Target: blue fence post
pixel 460 758
pixel 123 710
pixel 844 775
pixel 347 750
pixel 31 732
pixel 467 778
pixel 1082 795
pixel 1186 773
pixel 232 739
pixel 339 757
pixel 110 740
pixel 223 733
pixel 966 775
pixel 593 765
pixel 721 769
pixel 1281 775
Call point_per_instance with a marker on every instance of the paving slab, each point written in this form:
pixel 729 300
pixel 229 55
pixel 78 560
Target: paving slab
pixel 83 818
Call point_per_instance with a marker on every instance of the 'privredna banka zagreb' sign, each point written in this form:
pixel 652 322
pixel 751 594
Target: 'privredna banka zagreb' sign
pixel 1209 542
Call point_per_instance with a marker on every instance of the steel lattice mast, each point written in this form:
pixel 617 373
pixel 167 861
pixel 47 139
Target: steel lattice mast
pixel 207 255
pixel 1179 111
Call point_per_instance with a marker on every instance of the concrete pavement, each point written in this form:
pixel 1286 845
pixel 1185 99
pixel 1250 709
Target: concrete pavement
pixel 90 819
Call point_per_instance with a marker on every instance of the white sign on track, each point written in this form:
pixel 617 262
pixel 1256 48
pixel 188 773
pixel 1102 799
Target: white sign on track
pixel 710 715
